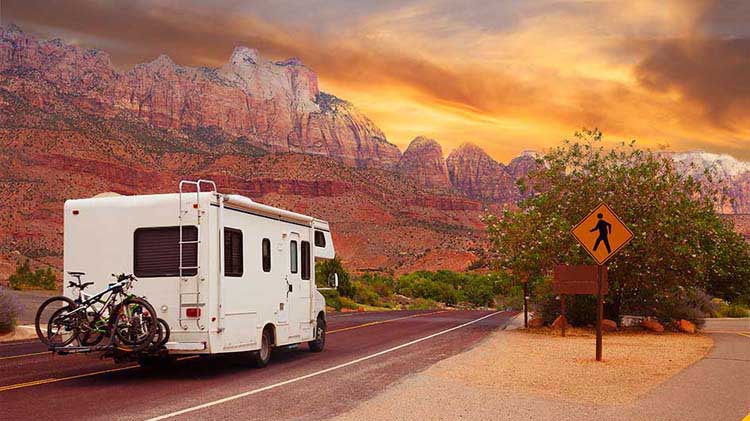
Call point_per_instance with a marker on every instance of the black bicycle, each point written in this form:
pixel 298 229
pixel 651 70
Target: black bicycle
pixel 128 321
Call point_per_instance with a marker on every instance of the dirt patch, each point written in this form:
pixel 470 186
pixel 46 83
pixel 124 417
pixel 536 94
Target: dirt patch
pixel 565 368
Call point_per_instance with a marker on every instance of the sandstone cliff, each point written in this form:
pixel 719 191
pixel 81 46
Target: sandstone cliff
pixel 423 161
pixel 478 176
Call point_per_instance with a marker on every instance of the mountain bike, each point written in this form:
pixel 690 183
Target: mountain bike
pixel 130 322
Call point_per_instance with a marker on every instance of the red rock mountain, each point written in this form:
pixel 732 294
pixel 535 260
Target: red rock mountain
pixel 478 176
pixel 423 161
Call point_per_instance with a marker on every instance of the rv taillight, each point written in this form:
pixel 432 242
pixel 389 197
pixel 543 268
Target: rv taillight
pixel 193 312
pixel 75 212
pixel 195 206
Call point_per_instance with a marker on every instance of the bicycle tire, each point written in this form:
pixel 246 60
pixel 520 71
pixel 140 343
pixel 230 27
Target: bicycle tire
pixel 164 332
pixel 125 340
pixel 56 320
pixel 91 336
pixel 42 333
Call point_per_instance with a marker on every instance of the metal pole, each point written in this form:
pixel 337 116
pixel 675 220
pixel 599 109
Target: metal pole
pixel 526 304
pixel 599 313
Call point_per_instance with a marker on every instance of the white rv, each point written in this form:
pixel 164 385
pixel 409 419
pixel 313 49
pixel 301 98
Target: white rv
pixel 226 273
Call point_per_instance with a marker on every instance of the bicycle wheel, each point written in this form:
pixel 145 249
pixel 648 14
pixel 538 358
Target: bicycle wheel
pixel 93 331
pixel 62 327
pixel 134 324
pixel 44 314
pixel 163 337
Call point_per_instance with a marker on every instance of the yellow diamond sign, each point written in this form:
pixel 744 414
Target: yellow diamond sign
pixel 602 233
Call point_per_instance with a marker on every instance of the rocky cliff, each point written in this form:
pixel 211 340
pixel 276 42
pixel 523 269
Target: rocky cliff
pixel 271 105
pixel 478 176
pixel 423 161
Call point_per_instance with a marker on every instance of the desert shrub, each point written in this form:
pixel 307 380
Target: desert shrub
pixel 9 309
pixel 383 285
pixel 365 294
pixel 333 299
pixel 25 278
pixel 684 303
pixel 416 285
pixel 478 291
pixel 324 268
pixel 423 304
pixel 347 302
pixel 730 310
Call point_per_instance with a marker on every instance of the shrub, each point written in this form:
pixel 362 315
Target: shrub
pixel 333 299
pixel 25 278
pixel 347 302
pixel 325 268
pixel 732 310
pixel 364 294
pixel 9 309
pixel 423 304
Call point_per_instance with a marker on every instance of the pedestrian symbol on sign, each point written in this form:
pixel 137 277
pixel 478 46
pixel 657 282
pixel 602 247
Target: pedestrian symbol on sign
pixel 604 228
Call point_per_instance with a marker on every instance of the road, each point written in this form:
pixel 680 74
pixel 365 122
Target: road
pixel 29 301
pixel 365 352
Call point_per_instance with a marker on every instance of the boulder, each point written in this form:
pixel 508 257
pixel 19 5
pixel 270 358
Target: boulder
pixel 609 325
pixel 686 326
pixel 559 322
pixel 652 325
pixel 536 322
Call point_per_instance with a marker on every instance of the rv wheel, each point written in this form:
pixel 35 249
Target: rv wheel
pixel 319 343
pixel 261 357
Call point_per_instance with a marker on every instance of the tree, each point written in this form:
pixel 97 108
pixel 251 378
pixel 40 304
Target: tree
pixel 326 268
pixel 680 242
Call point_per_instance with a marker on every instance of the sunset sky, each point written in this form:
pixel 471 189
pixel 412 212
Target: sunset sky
pixel 507 75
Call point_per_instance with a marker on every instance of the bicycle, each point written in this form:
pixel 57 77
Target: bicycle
pixel 129 321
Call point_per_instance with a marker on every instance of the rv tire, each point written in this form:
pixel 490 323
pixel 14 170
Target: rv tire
pixel 261 357
pixel 319 342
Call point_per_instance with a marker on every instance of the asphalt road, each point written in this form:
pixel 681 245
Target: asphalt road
pixel 29 301
pixel 365 352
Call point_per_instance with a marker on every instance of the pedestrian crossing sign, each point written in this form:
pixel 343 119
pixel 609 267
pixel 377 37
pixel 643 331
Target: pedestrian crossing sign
pixel 602 233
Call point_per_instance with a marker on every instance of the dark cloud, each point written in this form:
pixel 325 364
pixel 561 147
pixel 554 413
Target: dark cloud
pixel 714 73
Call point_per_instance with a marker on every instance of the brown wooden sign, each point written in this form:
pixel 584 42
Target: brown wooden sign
pixel 578 280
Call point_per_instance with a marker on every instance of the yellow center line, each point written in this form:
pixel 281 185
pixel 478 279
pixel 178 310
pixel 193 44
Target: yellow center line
pixel 25 355
pixel 743 334
pixel 77 376
pixel 379 322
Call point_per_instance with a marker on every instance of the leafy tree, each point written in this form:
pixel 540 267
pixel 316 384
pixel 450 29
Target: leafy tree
pixel 325 268
pixel 680 242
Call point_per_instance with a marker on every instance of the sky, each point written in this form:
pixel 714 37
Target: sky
pixel 506 75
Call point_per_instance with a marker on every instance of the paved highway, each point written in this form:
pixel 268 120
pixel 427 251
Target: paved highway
pixel 365 352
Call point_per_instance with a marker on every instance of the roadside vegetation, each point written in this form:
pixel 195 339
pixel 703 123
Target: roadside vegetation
pixel 9 309
pixel 683 254
pixel 419 290
pixel 25 278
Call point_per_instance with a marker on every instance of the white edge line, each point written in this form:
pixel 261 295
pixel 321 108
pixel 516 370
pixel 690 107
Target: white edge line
pixel 317 373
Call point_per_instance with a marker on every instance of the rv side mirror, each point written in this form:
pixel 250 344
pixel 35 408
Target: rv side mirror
pixel 333 280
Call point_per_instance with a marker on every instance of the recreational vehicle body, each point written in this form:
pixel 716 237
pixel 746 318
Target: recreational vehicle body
pixel 226 273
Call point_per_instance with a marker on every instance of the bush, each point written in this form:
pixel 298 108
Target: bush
pixel 423 304
pixel 691 304
pixel 363 293
pixel 25 278
pixel 333 299
pixel 9 309
pixel 347 302
pixel 325 268
pixel 736 310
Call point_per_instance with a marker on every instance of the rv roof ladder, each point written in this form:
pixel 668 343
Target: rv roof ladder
pixel 196 294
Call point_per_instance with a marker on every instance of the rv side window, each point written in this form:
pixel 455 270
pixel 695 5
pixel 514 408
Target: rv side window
pixel 232 252
pixel 293 256
pixel 156 252
pixel 320 239
pixel 266 251
pixel 305 248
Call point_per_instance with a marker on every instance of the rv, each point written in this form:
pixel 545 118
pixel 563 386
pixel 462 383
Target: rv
pixel 226 273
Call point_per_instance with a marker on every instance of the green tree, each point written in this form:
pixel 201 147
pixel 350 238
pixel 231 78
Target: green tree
pixel 326 268
pixel 680 242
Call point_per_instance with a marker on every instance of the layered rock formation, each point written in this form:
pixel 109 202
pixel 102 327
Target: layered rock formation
pixel 423 161
pixel 478 176
pixel 273 105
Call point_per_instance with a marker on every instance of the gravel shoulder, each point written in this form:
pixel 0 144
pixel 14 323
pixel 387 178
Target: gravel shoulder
pixel 521 374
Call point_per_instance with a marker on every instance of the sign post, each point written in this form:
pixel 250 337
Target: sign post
pixel 602 233
pixel 526 303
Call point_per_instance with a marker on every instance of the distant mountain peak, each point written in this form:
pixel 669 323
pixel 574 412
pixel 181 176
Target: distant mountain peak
pixel 243 56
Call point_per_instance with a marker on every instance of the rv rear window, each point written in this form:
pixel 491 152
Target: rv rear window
pixel 266 251
pixel 156 252
pixel 293 256
pixel 320 239
pixel 232 252
pixel 305 248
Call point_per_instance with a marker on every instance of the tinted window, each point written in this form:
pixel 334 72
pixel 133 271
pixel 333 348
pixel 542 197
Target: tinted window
pixel 305 248
pixel 293 256
pixel 266 252
pixel 156 252
pixel 232 252
pixel 320 239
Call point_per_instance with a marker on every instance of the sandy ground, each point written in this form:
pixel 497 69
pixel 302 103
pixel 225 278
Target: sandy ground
pixel 520 374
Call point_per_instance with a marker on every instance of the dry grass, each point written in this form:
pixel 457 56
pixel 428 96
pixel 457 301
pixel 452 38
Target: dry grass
pixel 542 363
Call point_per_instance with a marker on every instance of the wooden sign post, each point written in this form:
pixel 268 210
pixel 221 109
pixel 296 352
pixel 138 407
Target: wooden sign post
pixel 576 280
pixel 602 233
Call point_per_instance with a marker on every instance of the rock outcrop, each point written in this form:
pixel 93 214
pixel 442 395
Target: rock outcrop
pixel 273 105
pixel 478 176
pixel 423 161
